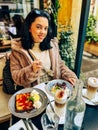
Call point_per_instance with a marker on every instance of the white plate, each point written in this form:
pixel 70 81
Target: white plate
pixel 59 111
pixel 87 101
pixel 34 112
pixel 51 83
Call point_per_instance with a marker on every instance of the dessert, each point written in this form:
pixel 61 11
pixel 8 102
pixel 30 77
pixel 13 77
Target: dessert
pixel 60 98
pixel 22 102
pixel 58 86
pixel 60 102
pixel 25 102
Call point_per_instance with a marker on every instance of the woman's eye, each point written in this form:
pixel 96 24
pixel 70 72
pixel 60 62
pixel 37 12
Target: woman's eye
pixel 38 27
pixel 46 29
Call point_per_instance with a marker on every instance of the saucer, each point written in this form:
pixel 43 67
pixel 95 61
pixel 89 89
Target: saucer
pixel 59 111
pixel 87 101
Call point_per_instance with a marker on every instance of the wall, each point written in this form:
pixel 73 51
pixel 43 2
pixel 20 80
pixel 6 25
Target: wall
pixel 70 11
pixel 75 18
pixel 64 13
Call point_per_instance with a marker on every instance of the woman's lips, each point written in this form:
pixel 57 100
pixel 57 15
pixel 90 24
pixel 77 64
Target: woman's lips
pixel 41 37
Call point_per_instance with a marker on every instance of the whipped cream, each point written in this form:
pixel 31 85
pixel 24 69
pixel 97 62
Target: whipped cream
pixel 61 96
pixel 37 103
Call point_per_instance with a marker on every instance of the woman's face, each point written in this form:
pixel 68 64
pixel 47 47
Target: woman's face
pixel 39 29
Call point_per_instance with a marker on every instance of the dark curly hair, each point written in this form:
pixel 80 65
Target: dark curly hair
pixel 26 38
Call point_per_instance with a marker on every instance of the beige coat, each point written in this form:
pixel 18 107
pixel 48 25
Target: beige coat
pixel 21 65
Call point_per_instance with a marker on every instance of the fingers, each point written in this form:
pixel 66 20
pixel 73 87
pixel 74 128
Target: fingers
pixel 37 66
pixel 72 81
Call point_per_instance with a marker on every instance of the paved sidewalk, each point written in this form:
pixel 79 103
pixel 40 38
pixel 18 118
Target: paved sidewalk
pixel 89 65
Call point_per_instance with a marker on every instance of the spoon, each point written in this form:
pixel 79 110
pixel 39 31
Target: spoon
pixel 95 103
pixel 56 117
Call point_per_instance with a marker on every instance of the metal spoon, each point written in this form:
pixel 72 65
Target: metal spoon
pixel 56 117
pixel 95 103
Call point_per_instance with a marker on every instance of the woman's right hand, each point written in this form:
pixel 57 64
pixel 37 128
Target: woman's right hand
pixel 37 66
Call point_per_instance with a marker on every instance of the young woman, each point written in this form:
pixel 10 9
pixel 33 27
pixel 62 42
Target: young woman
pixel 17 21
pixel 35 56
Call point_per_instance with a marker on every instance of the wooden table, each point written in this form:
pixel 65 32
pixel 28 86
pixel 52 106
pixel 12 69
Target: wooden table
pixel 5 114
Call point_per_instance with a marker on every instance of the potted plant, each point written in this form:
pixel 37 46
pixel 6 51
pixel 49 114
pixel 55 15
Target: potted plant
pixel 91 35
pixel 66 47
pixel 91 41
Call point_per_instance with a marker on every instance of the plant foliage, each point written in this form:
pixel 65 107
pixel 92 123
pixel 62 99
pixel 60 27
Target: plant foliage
pixel 54 10
pixel 66 48
pixel 91 34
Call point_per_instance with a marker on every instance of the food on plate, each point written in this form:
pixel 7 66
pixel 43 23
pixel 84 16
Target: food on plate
pixel 27 101
pixel 59 86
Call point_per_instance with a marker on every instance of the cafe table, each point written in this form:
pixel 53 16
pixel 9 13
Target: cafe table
pixel 90 121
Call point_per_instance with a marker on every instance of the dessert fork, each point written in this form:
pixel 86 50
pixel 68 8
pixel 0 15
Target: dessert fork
pixel 30 124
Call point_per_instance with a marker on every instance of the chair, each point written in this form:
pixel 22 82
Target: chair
pixel 5 114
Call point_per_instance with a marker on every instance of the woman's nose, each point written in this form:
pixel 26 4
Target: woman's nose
pixel 43 30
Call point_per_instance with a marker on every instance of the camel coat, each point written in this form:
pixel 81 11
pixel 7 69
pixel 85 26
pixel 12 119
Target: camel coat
pixel 21 64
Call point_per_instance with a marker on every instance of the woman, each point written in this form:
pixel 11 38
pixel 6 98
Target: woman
pixel 35 41
pixel 17 21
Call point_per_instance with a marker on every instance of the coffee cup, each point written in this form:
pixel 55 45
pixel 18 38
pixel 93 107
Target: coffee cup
pixel 92 87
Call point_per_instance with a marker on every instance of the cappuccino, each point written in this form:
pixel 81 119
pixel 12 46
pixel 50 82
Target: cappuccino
pixel 92 86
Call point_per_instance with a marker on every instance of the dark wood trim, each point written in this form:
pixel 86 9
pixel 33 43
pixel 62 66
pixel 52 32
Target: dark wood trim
pixel 81 36
pixel 41 4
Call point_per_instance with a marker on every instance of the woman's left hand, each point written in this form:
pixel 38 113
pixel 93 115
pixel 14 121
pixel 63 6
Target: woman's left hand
pixel 71 80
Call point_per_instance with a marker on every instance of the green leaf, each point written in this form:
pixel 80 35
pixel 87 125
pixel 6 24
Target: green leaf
pixel 31 98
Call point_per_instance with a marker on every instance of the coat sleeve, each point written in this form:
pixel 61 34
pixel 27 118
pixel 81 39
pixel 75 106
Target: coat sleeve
pixel 22 71
pixel 65 72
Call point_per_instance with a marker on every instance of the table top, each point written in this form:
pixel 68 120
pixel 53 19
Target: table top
pixel 90 121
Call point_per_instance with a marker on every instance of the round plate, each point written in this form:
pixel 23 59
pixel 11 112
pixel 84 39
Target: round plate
pixel 34 112
pixel 87 101
pixel 59 111
pixel 51 83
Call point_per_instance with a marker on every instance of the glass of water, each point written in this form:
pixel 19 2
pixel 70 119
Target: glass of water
pixel 49 122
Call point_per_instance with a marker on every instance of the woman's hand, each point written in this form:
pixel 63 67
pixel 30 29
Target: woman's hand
pixel 37 66
pixel 72 80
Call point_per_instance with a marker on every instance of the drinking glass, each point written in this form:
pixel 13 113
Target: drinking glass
pixel 49 123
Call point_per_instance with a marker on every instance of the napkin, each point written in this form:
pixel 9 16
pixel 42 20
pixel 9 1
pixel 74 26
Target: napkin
pixel 20 124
